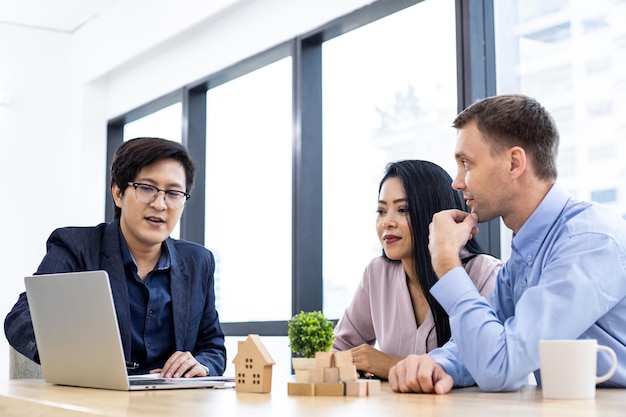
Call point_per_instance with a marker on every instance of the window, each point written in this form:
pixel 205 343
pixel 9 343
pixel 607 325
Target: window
pixel 371 87
pixel 165 123
pixel 604 196
pixel 248 193
pixel 390 93
pixel 579 84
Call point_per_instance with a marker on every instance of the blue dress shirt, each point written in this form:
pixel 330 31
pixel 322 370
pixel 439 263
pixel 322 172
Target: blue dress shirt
pixel 152 322
pixel 566 279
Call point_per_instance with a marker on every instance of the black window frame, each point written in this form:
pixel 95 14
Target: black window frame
pixel 476 79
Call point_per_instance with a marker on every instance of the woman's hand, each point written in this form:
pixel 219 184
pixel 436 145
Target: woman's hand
pixel 373 361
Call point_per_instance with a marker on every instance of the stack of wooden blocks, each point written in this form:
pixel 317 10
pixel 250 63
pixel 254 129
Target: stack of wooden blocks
pixel 334 374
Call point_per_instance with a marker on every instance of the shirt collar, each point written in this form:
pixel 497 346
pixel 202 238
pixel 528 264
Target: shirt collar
pixel 530 237
pixel 164 262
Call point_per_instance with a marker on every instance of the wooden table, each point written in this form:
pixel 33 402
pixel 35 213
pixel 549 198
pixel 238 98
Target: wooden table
pixel 38 398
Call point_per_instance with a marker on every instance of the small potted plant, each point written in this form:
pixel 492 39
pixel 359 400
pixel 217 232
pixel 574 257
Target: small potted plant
pixel 309 332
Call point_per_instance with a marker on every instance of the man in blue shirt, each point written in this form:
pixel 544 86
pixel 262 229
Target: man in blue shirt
pixel 163 288
pixel 566 278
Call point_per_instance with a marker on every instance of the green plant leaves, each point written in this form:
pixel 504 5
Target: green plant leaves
pixel 310 332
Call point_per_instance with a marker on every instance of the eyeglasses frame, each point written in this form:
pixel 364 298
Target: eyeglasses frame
pixel 135 185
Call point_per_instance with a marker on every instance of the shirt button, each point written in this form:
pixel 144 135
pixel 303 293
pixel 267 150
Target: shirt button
pixel 529 258
pixel 150 313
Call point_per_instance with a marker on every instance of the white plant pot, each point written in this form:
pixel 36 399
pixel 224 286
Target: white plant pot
pixel 301 368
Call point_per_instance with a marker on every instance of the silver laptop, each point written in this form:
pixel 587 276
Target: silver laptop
pixel 78 337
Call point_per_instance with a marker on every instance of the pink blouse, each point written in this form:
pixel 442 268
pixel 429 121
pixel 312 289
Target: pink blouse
pixel 381 310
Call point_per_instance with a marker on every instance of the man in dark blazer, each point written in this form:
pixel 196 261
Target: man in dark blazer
pixel 163 288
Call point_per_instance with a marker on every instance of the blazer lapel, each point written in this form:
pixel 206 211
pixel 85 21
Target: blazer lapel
pixel 117 277
pixel 181 299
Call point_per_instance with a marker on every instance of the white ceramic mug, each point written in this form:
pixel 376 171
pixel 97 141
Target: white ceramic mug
pixel 569 367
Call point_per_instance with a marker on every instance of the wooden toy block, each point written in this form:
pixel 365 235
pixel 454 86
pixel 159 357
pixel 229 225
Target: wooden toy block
pixel 316 375
pixel 363 387
pixel 323 359
pixel 299 388
pixel 331 374
pixel 343 358
pixel 373 387
pixel 302 375
pixel 347 373
pixel 336 389
pixel 356 388
pixel 334 375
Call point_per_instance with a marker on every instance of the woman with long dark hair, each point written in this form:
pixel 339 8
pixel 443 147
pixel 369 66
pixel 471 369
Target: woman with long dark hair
pixel 393 306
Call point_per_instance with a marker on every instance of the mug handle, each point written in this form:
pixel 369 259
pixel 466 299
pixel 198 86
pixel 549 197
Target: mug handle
pixel 611 371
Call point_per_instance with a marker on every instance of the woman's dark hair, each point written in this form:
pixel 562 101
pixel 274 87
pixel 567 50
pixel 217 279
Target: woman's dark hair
pixel 134 154
pixel 428 189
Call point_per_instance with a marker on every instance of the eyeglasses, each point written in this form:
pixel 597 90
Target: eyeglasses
pixel 147 193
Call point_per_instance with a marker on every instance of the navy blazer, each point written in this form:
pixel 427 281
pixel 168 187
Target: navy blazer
pixel 196 323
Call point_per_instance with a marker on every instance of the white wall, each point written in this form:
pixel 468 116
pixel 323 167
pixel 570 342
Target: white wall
pixel 58 90
pixel 41 164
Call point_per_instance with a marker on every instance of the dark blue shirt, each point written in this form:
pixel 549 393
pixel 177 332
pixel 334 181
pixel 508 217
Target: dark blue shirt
pixel 152 325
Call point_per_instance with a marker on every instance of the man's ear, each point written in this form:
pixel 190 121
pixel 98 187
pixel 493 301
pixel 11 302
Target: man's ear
pixel 517 161
pixel 116 193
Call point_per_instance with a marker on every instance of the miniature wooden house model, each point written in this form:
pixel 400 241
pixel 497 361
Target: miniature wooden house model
pixel 253 366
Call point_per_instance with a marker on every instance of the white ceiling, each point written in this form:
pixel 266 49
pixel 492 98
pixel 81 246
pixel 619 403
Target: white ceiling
pixel 55 15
